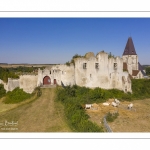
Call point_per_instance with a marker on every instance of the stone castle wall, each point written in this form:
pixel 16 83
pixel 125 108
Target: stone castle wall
pixel 28 83
pixel 89 71
pixel 107 75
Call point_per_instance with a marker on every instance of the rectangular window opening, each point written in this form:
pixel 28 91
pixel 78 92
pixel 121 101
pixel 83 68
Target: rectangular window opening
pixel 115 66
pixel 96 65
pixel 84 65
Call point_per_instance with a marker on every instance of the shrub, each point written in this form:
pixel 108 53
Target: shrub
pixel 2 91
pixel 126 96
pixel 70 91
pixel 76 116
pixel 111 117
pixel 68 63
pixel 16 96
pixel 38 91
pixel 140 88
pixel 97 93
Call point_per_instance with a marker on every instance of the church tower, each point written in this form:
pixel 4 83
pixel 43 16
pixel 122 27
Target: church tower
pixel 130 57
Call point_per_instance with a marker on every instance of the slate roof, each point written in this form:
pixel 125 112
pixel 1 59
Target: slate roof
pixel 141 68
pixel 129 48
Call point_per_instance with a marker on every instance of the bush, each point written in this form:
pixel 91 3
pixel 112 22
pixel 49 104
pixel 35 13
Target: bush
pixel 38 91
pixel 16 96
pixel 72 97
pixel 68 63
pixel 111 117
pixel 2 91
pixel 127 96
pixel 140 88
pixel 97 94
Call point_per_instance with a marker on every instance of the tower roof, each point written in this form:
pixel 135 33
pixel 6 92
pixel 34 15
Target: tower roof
pixel 141 68
pixel 129 49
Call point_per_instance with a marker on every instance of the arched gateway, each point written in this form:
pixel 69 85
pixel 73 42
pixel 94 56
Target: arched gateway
pixel 46 80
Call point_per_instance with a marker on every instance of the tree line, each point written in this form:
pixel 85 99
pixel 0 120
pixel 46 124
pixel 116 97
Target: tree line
pixel 5 73
pixel 14 73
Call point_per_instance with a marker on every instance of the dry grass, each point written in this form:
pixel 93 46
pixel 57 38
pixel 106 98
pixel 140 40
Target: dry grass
pixel 42 115
pixel 135 120
pixel 46 115
pixel 6 107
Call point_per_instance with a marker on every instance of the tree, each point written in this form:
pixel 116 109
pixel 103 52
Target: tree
pixel 147 70
pixel 72 60
pixel 2 91
pixel 75 56
pixel 110 55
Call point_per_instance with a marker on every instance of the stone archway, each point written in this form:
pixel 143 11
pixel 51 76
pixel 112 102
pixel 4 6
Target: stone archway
pixel 46 80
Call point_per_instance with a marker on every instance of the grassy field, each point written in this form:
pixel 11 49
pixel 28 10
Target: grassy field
pixel 40 115
pixel 44 114
pixel 135 120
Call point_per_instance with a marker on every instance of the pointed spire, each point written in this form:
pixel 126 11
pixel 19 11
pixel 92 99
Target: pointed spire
pixel 129 49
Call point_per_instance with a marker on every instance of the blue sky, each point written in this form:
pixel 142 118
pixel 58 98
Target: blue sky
pixel 56 40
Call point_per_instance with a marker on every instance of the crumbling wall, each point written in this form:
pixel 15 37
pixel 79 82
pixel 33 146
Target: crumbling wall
pixel 28 82
pixel 12 84
pixel 92 71
pixel 107 75
pixel 63 73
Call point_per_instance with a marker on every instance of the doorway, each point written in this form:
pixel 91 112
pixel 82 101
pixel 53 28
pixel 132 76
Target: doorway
pixel 46 80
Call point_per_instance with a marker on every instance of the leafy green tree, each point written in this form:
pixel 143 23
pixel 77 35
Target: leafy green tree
pixel 147 70
pixel 5 73
pixel 68 63
pixel 2 91
pixel 72 60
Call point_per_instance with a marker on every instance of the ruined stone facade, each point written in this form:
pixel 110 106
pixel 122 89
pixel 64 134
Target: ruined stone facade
pixel 56 75
pixel 26 82
pixel 90 71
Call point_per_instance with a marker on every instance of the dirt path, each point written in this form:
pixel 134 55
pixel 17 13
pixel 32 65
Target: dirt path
pixel 42 115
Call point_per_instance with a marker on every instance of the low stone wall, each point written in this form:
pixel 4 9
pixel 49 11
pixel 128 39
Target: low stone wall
pixel 12 84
